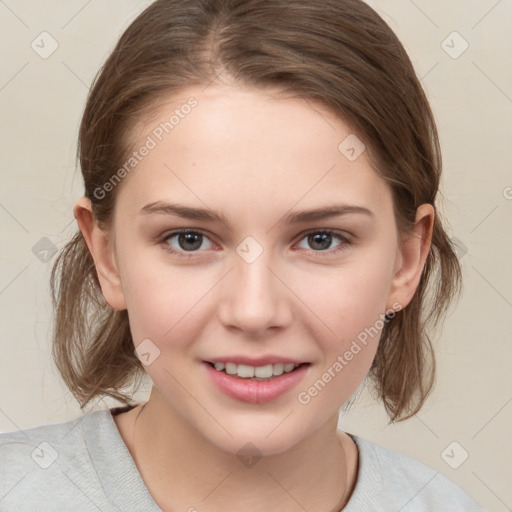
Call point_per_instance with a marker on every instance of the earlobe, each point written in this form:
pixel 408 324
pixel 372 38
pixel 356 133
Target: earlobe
pixel 412 256
pixel 102 251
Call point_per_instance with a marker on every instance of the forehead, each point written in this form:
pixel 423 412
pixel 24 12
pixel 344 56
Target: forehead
pixel 238 146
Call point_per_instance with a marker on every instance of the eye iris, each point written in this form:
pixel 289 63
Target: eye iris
pixel 320 238
pixel 190 238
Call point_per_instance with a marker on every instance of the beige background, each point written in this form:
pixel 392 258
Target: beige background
pixel 41 100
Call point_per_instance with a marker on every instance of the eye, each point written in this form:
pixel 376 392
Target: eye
pixel 191 241
pixel 186 241
pixel 322 240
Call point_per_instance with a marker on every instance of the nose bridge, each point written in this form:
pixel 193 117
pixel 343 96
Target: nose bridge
pixel 253 298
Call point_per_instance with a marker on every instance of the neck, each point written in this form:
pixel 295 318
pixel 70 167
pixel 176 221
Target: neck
pixel 184 471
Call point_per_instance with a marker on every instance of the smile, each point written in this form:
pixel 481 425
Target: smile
pixel 256 384
pixel 245 371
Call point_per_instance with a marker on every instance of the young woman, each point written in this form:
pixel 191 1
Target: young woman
pixel 258 234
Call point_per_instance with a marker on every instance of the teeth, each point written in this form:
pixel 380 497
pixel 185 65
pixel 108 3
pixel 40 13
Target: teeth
pixel 261 372
pixel 278 368
pixel 245 371
pixel 231 368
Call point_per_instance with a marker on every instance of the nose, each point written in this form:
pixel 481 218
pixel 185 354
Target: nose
pixel 254 298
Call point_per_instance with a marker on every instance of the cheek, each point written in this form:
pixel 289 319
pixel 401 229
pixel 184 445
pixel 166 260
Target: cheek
pixel 160 298
pixel 349 299
pixel 353 307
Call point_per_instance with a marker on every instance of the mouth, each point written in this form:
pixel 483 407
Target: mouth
pixel 263 381
pixel 255 373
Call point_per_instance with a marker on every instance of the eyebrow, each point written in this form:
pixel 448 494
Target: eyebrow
pixel 186 212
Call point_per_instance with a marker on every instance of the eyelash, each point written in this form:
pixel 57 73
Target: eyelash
pixel 346 244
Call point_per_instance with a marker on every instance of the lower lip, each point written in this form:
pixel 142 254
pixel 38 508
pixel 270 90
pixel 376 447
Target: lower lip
pixel 256 391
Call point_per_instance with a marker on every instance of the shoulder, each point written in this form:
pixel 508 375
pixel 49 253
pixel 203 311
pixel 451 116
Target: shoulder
pixel 49 461
pixel 45 444
pixel 389 480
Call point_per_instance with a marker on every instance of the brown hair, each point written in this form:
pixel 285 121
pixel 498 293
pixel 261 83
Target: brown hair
pixel 340 53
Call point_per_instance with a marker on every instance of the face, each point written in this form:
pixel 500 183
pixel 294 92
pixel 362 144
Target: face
pixel 218 262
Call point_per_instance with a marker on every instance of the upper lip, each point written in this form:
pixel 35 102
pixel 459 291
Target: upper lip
pixel 254 361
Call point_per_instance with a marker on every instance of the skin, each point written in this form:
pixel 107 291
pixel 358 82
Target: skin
pixel 255 156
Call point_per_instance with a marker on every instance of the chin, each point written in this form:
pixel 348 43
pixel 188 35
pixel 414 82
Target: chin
pixel 246 445
pixel 258 436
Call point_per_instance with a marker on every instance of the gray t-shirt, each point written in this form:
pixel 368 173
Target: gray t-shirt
pixel 83 465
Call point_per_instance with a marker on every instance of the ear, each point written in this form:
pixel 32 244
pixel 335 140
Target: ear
pixel 411 257
pixel 102 250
